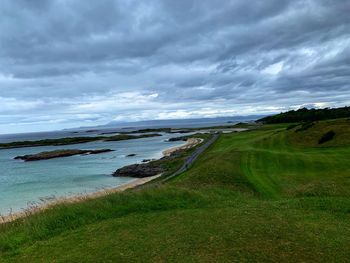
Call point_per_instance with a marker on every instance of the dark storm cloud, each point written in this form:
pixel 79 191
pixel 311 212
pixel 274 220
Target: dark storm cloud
pixel 75 62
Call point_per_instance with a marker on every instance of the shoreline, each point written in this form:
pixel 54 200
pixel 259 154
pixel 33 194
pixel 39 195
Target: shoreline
pixel 75 199
pixel 191 142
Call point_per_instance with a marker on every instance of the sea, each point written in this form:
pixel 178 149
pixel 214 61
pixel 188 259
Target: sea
pixel 27 184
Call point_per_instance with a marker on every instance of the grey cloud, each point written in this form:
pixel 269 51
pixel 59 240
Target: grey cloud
pixel 178 57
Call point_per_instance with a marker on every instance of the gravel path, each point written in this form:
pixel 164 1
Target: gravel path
pixel 190 159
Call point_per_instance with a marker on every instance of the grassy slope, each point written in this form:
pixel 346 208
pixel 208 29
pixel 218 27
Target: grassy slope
pixel 265 195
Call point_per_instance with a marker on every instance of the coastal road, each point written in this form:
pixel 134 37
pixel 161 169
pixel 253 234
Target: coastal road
pixel 190 159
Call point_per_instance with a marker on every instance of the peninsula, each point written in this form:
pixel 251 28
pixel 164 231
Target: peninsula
pixel 74 140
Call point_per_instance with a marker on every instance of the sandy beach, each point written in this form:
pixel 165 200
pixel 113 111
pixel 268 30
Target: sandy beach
pixel 191 142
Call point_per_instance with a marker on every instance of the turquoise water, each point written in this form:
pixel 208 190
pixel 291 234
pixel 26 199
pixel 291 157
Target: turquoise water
pixel 29 183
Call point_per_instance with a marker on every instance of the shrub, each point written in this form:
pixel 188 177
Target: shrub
pixel 326 137
pixel 305 126
pixel 292 126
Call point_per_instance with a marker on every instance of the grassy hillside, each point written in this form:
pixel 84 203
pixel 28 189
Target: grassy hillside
pixel 268 195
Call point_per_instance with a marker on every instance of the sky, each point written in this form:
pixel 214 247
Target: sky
pixel 70 63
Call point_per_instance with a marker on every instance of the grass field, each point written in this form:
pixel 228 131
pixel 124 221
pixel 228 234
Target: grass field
pixel 267 195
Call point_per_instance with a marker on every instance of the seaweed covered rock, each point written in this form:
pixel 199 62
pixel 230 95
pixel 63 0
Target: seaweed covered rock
pixel 139 170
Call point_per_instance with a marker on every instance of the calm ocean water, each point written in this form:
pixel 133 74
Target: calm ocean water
pixel 27 183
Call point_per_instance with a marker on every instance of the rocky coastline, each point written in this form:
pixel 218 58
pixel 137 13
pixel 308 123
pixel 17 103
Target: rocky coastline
pixel 153 167
pixel 139 170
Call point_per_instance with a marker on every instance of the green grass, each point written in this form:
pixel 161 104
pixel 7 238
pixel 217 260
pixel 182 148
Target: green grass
pixel 268 195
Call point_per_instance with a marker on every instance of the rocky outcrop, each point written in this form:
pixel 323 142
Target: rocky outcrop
pixel 139 170
pixel 180 131
pixel 58 154
pixel 147 160
pixel 180 138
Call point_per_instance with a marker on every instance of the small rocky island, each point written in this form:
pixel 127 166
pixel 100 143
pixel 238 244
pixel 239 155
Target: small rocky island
pixel 58 154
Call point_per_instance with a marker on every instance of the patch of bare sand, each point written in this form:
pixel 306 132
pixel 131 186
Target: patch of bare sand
pixel 190 143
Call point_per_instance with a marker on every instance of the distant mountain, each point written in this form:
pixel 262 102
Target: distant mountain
pixel 170 123
pixel 196 122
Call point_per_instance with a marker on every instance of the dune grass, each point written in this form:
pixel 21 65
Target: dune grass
pixel 268 195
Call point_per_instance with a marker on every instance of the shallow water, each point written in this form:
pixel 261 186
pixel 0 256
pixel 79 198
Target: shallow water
pixel 28 183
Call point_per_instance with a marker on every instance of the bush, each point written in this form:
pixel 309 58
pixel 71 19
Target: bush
pixel 305 126
pixel 292 126
pixel 326 137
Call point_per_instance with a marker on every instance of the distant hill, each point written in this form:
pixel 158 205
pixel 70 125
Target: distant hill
pixel 305 115
pixel 184 123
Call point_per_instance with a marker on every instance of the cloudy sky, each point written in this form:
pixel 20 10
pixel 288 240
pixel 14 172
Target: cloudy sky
pixel 68 63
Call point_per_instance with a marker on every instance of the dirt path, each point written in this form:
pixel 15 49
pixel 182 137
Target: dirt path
pixel 190 160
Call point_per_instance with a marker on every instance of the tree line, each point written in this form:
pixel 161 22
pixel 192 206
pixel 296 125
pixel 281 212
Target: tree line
pixel 307 115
